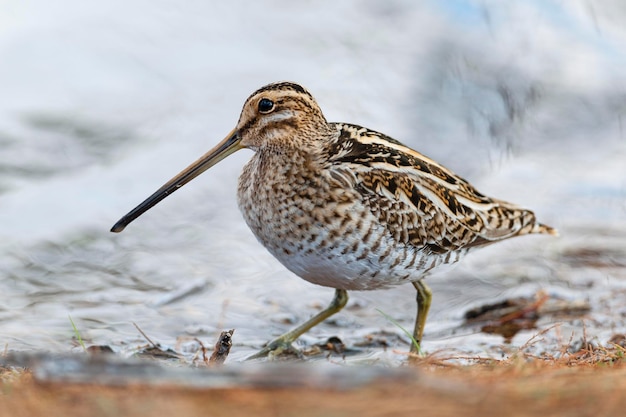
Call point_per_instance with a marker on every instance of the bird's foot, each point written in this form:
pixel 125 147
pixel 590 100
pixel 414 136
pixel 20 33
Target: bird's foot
pixel 275 348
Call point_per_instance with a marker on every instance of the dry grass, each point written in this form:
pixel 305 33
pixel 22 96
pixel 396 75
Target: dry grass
pixel 485 390
pixel 582 354
pixel 590 381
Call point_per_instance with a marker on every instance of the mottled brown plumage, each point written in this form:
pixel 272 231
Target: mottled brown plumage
pixel 346 207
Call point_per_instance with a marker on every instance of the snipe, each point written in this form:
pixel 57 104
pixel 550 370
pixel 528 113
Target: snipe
pixel 345 207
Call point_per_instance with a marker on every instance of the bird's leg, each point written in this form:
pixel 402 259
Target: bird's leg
pixel 284 341
pixel 424 297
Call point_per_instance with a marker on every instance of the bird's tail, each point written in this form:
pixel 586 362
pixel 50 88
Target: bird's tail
pixel 544 229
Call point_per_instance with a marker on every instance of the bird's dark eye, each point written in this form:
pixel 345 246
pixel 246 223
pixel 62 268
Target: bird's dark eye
pixel 266 105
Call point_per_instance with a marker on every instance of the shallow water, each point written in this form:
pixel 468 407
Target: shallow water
pixel 102 104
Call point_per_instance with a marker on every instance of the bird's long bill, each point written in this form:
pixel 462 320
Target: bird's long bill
pixel 226 147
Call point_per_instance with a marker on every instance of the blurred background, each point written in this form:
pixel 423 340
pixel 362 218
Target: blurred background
pixel 100 103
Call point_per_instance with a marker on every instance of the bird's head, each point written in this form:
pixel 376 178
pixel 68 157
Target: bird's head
pixel 275 117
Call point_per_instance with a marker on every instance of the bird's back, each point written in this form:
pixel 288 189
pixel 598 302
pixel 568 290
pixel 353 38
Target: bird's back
pixel 422 203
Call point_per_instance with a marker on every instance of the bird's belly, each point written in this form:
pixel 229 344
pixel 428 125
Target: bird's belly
pixel 358 258
pixel 337 268
pixel 334 269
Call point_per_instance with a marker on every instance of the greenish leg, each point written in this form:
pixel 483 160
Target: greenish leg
pixel 424 298
pixel 284 341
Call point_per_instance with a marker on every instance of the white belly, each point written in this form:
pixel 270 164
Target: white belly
pixel 340 266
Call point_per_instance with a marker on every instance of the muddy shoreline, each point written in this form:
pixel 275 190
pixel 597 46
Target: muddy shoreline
pixel 517 388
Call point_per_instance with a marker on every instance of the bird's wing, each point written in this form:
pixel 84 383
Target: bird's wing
pixel 420 201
